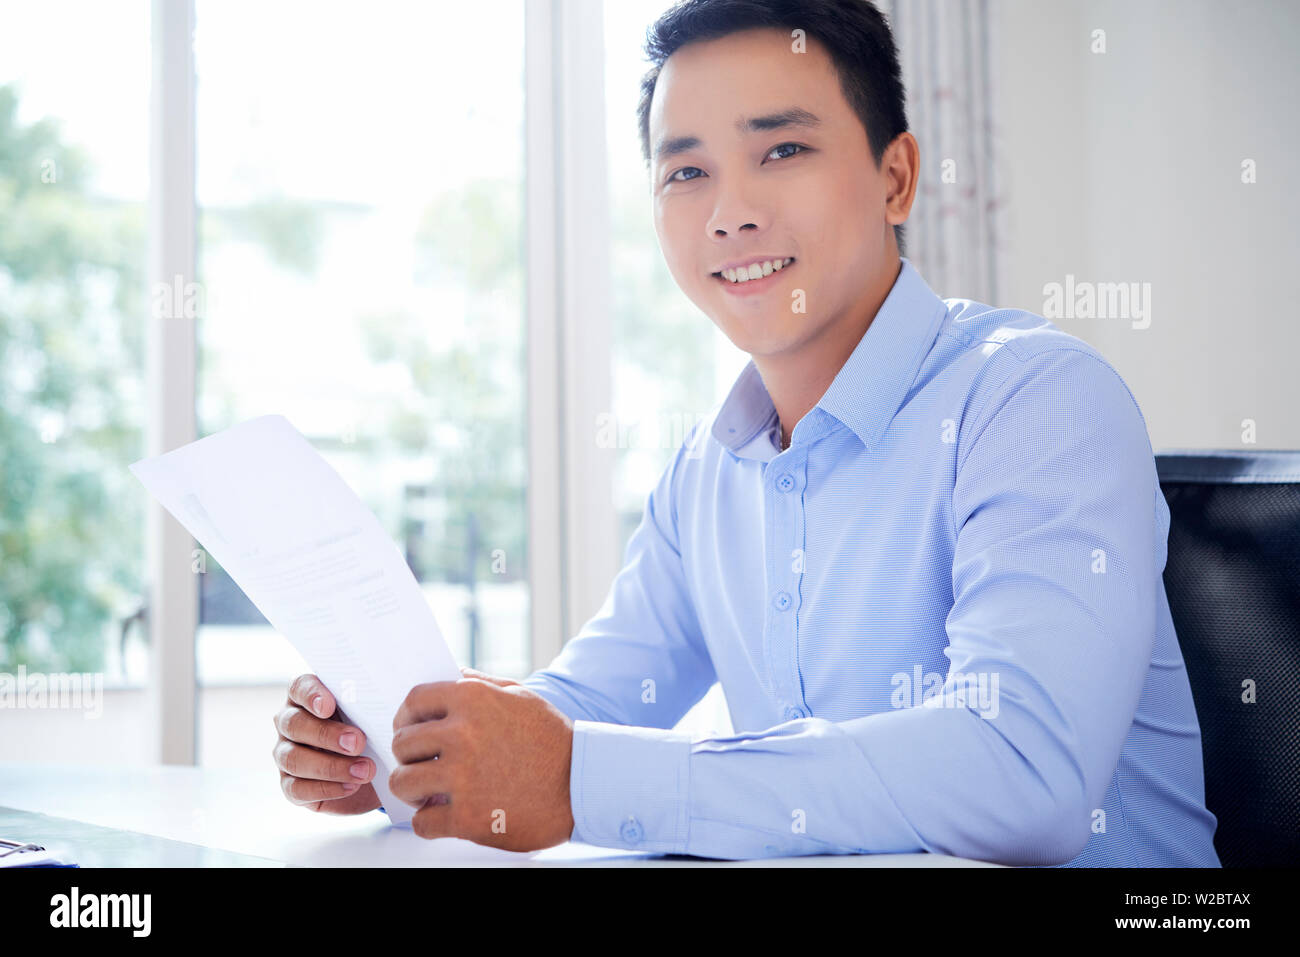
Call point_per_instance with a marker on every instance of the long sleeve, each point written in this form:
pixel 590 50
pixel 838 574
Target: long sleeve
pixel 1054 574
pixel 641 660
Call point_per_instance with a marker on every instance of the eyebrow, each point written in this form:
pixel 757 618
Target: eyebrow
pixel 793 117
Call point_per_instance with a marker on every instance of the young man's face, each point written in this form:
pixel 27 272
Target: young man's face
pixel 741 196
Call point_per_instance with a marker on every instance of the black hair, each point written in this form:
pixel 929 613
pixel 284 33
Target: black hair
pixel 854 32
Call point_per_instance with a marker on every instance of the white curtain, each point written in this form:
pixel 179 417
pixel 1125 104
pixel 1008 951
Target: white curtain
pixel 948 54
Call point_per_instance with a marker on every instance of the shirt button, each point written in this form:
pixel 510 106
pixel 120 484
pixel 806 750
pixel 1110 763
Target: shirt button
pixel 785 483
pixel 794 714
pixel 631 830
pixel 782 601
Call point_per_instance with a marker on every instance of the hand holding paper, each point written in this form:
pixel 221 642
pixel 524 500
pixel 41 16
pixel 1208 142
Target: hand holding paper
pixel 316 562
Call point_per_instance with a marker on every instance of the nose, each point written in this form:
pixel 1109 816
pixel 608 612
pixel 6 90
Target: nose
pixel 734 211
pixel 718 232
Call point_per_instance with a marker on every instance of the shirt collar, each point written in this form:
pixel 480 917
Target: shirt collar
pixel 867 391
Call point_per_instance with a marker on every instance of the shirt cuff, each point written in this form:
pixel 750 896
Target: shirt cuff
pixel 629 787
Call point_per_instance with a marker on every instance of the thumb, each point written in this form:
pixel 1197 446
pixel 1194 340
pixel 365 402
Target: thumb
pixel 483 676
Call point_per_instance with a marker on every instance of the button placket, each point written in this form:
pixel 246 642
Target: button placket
pixel 797 474
pixel 784 506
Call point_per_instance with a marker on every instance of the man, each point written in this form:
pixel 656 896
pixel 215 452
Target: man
pixel 919 544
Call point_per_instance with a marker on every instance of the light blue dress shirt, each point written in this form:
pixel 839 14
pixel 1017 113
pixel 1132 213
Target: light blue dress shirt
pixel 938 618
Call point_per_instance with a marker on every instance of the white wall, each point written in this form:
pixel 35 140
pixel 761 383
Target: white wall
pixel 1126 166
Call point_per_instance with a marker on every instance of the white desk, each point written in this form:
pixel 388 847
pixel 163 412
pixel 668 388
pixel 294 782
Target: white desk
pixel 244 812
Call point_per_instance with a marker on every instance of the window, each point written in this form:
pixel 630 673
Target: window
pixel 74 167
pixel 361 267
pixel 671 364
pixel 360 255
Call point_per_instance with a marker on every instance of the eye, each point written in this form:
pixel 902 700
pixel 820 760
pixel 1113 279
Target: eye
pixel 797 146
pixel 673 178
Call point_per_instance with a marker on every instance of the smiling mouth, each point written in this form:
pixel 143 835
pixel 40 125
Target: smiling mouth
pixel 744 276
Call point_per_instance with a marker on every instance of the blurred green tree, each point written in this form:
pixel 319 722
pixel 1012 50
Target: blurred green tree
pixel 71 400
pixel 467 523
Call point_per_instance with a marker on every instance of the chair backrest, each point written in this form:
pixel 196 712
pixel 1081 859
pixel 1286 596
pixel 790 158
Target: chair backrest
pixel 1233 582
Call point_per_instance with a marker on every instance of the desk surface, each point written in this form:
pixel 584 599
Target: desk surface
pixel 204 817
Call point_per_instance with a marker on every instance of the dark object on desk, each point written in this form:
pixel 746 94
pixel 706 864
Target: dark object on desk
pixel 1233 581
pixel 22 853
pixel 95 846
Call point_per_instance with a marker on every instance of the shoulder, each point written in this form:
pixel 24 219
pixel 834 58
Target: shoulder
pixel 997 340
pixel 1021 367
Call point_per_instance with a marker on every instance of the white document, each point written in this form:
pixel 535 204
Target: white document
pixel 317 563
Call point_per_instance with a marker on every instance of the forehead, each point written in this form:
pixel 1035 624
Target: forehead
pixel 705 85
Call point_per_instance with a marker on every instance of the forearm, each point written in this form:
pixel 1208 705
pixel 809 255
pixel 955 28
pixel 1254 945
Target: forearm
pixel 569 697
pixel 920 779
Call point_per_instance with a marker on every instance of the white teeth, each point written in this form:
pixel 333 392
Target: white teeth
pixel 756 270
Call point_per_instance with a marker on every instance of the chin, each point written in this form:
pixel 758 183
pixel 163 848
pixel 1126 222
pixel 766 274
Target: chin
pixel 770 339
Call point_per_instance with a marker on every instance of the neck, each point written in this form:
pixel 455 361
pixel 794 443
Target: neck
pixel 797 380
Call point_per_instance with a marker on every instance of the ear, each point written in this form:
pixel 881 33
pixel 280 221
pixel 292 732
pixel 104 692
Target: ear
pixel 901 166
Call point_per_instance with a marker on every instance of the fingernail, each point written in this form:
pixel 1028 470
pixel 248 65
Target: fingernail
pixel 348 741
pixel 317 706
pixel 351 787
pixel 359 770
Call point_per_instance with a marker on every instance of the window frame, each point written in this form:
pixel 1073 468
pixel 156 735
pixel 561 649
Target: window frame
pixel 572 534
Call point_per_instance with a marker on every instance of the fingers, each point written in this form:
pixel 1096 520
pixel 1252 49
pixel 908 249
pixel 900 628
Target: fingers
pixel 435 819
pixel 305 791
pixel 422 742
pixel 318 756
pixel 308 691
pixel 304 762
pixel 423 775
pixel 360 801
pixel 421 783
pixel 429 702
pixel 297 725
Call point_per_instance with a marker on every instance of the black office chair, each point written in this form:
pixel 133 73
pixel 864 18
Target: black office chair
pixel 1233 581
